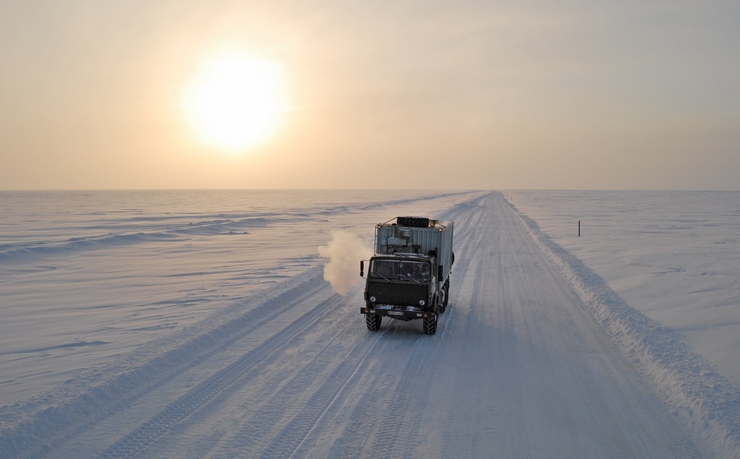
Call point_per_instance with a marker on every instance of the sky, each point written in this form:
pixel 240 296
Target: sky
pixel 413 94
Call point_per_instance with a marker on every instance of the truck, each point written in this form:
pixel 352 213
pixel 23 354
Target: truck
pixel 408 276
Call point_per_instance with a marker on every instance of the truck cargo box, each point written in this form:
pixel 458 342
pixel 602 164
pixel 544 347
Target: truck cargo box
pixel 416 235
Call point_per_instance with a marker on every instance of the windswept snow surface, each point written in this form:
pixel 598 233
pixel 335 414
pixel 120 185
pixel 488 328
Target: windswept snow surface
pixel 672 255
pixel 271 362
pixel 87 276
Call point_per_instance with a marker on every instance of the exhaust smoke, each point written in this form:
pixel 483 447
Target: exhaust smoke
pixel 344 250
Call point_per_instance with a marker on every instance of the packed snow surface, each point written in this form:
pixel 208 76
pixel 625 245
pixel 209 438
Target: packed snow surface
pixel 672 255
pixel 202 324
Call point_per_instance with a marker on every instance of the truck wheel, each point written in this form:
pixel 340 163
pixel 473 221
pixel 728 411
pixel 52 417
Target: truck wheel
pixel 373 321
pixel 447 292
pixel 430 324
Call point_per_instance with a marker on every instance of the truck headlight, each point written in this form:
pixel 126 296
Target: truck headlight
pixel 372 299
pixel 422 302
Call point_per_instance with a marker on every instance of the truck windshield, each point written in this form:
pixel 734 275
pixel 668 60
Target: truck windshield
pixel 400 270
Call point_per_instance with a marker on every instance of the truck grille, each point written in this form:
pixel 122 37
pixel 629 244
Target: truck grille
pixel 397 293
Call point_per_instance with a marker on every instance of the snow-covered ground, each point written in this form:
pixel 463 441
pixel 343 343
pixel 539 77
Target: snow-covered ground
pixel 672 255
pixel 199 324
pixel 87 276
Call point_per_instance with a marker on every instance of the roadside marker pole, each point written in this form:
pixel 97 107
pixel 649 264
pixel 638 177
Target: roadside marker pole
pixel 579 228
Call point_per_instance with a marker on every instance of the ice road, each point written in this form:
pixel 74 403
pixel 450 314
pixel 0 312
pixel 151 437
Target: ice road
pixel 519 367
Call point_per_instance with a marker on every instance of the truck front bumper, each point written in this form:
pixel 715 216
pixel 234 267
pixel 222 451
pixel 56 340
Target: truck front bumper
pixel 396 313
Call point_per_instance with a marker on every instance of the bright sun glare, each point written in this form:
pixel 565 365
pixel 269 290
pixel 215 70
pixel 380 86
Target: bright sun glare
pixel 235 102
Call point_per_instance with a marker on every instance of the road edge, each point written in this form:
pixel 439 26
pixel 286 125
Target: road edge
pixel 705 400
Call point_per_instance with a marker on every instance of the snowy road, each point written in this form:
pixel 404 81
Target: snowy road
pixel 519 367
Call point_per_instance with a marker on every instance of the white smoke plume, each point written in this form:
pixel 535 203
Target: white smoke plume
pixel 344 250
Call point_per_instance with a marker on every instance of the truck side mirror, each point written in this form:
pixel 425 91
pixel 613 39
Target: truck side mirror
pixel 440 271
pixel 362 268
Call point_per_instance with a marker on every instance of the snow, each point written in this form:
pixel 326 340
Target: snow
pixel 199 324
pixel 78 269
pixel 672 255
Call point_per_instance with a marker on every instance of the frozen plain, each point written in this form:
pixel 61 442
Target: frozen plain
pixel 673 255
pixel 214 335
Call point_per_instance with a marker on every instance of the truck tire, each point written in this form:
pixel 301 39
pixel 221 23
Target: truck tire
pixel 373 321
pixel 430 324
pixel 446 289
pixel 441 306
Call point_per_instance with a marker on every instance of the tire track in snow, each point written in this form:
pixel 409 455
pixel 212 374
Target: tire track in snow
pixel 288 422
pixel 527 385
pixel 81 404
pixel 290 438
pixel 485 314
pixel 398 428
pixel 135 442
pixel 399 424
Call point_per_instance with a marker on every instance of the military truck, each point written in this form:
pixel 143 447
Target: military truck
pixel 408 276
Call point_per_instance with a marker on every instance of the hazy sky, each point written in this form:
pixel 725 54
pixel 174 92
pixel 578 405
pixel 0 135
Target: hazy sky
pixel 412 94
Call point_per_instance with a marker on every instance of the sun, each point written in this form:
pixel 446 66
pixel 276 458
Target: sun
pixel 235 102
